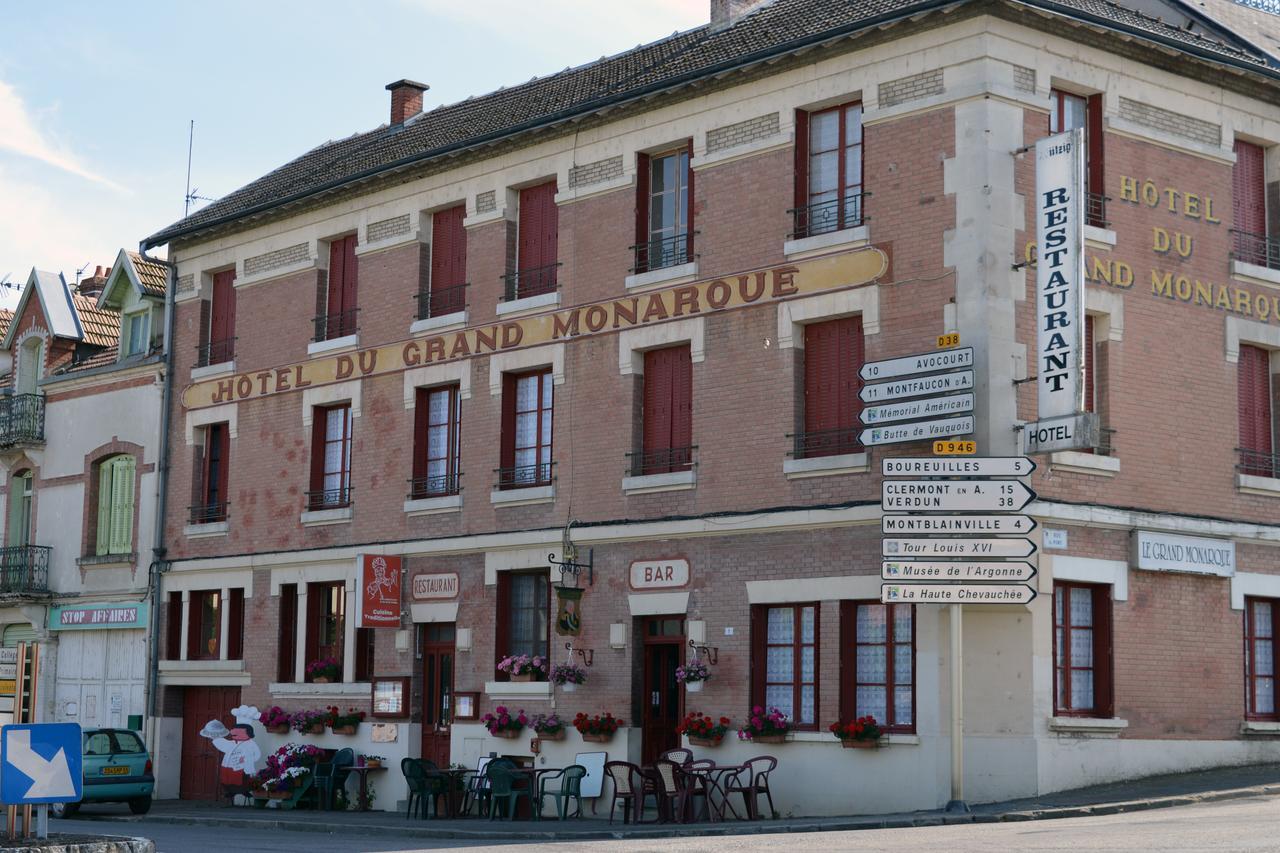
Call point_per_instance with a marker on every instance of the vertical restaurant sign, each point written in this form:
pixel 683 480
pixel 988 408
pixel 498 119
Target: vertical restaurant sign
pixel 1060 355
pixel 379 591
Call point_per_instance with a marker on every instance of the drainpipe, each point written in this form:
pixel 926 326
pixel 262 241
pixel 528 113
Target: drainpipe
pixel 159 565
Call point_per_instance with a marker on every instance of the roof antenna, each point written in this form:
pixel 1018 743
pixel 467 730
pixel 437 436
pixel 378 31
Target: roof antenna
pixel 9 285
pixel 191 193
pixel 80 272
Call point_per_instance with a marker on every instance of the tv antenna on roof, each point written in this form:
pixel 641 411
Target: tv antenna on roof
pixel 4 282
pixel 80 272
pixel 191 193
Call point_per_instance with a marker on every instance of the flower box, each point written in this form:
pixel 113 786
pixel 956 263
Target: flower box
pixel 705 741
pixel 778 738
pixel 279 795
pixel 509 734
pixel 344 730
pixel 524 676
pixel 850 743
pixel 600 738
pixel 693 686
pixel 556 735
pixel 373 762
pixel 314 729
pixel 278 730
pixel 320 679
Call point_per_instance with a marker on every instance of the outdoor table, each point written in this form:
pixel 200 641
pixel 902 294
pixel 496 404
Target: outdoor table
pixel 454 793
pixel 363 771
pixel 712 778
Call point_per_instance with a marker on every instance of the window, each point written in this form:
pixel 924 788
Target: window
pixel 1068 112
pixel 115 505
pixel 211 497
pixel 524 602
pixel 448 264
pixel 1259 658
pixel 326 621
pixel 235 624
pixel 878 663
pixel 833 355
pixel 526 430
pixel 337 315
pixel 785 657
pixel 436 431
pixel 30 366
pixel 1253 379
pixel 220 331
pixel 1250 242
pixel 828 170
pixel 21 495
pixel 664 221
pixel 1082 650
pixel 364 654
pixel 204 625
pixel 136 337
pixel 667 417
pixel 330 458
pixel 287 639
pixel 536 243
pixel 173 627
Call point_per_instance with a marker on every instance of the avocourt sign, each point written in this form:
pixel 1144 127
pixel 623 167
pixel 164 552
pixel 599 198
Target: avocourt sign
pixel 709 296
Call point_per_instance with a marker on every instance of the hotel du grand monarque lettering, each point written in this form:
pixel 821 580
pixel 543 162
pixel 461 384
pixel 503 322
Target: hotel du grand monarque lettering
pixel 833 272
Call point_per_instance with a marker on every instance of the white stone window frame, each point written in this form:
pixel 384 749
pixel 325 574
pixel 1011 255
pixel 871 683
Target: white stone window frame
pixel 435 376
pixel 221 581
pixel 328 395
pixel 1106 307
pixel 347 572
pixel 520 560
pixel 520 361
pixel 1251 332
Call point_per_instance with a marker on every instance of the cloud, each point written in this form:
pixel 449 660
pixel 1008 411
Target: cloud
pixel 20 135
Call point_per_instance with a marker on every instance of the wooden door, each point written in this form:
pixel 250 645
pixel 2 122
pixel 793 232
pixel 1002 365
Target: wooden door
pixel 661 704
pixel 200 761
pixel 437 691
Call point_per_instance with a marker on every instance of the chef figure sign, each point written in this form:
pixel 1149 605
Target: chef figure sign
pixel 240 754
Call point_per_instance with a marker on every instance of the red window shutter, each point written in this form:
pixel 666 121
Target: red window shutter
pixel 349 276
pixel 318 418
pixel 681 397
pixel 508 453
pixel 848 657
pixel 820 368
pixel 1254 399
pixel 538 226
pixel 1103 690
pixel 224 462
pixel 1093 130
pixel 173 631
pixel 421 419
pixel 195 604
pixel 759 632
pixel 222 322
pixel 1248 188
pixel 316 593
pixel 657 399
pixel 287 645
pixel 691 197
pixel 449 248
pixel 642 201
pixel 337 279
pixel 502 627
pixel 235 625
pixel 1090 369
pixel 802 161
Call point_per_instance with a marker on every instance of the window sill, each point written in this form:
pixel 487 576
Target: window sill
pixel 1075 462
pixel 825 466
pixel 318 517
pixel 1255 274
pixel 219 369
pixel 1090 726
pixel 432 506
pixel 204 531
pixel 202 666
pixel 1099 238
pixel 847 238
pixel 107 561
pixel 457 319
pixel 672 481
pixel 830 739
pixel 518 689
pixel 1261 728
pixel 521 497
pixel 677 274
pixel 529 304
pixel 342 344
pixel 306 688
pixel 1251 484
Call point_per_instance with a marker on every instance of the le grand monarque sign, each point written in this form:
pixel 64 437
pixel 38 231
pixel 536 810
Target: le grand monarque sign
pixel 710 296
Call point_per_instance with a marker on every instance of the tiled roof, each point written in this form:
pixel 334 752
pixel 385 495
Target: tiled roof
pixel 775 29
pixel 103 358
pixel 153 277
pixel 101 328
pixel 6 317
pixel 1259 27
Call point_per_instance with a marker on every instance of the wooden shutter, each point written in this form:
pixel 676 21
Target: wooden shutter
pixel 206 322
pixel 364 654
pixel 122 473
pixel 1248 189
pixel 681 397
pixel 223 436
pixel 449 248
pixel 342 279
pixel 508 451
pixel 337 279
pixel 173 628
pixel 195 608
pixel 759 663
pixel 235 625
pixel 319 418
pixel 502 625
pixel 537 238
pixel 689 194
pixel 657 416
pixel 802 160
pixel 287 639
pixel 103 544
pixel 316 593
pixel 833 355
pixel 421 419
pixel 642 207
pixel 222 318
pixel 1103 691
pixel 1254 399
pixel 848 657
pixel 1093 130
pixel 1090 369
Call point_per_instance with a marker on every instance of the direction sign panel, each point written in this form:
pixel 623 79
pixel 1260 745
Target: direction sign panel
pixel 985 466
pixel 980 549
pixel 40 763
pixel 918 386
pixel 927 407
pixel 956 593
pixel 926 362
pixel 991 525
pixel 954 495
pixel 935 570
pixel 917 431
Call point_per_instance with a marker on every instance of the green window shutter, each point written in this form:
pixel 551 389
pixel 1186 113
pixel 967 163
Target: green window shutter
pixel 122 505
pixel 104 507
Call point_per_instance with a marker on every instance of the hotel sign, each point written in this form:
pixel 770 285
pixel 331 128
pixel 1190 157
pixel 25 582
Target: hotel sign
pixel 1168 552
pixel 835 272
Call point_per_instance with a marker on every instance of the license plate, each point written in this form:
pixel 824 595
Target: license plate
pixel 119 770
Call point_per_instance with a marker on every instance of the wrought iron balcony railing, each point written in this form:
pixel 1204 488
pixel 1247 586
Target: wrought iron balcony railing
pixel 825 442
pixel 665 252
pixel 1257 249
pixel 1257 463
pixel 531 282
pixel 330 326
pixel 216 352
pixel 21 420
pixel 524 476
pixel 437 486
pixel 338 498
pixel 24 569
pixel 826 216
pixel 208 513
pixel 440 301
pixel 664 460
pixel 1095 210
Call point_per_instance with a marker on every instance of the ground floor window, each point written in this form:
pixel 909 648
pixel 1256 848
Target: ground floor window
pixel 1259 658
pixel 1082 650
pixel 878 663
pixel 786 655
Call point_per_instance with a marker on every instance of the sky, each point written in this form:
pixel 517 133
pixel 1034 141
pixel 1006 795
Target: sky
pixel 96 99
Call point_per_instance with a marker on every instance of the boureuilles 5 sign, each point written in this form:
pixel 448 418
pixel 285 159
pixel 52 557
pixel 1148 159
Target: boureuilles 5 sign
pixel 709 296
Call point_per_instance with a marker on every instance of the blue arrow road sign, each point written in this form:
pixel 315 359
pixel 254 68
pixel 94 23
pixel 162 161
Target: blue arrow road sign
pixel 40 763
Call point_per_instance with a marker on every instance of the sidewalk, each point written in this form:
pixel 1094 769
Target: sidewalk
pixel 1137 795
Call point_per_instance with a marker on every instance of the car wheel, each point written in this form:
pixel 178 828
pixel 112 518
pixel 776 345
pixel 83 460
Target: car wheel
pixel 140 805
pixel 64 810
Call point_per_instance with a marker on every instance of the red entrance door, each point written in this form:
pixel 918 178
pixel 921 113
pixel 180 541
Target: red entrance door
pixel 437 691
pixel 200 761
pixel 661 703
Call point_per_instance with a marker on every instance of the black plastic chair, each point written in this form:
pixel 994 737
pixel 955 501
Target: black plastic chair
pixel 330 776
pixel 507 787
pixel 415 777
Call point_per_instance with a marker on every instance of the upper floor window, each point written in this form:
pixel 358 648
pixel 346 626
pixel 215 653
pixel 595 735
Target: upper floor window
pixel 785 651
pixel 114 533
pixel 30 365
pixel 204 625
pixel 1082 685
pixel 833 356
pixel 526 430
pixel 211 499
pixel 219 328
pixel 1068 112
pixel 536 252
pixel 1259 658
pixel 21 514
pixel 136 335
pixel 828 169
pixel 436 442
pixel 326 626
pixel 330 458
pixel 667 416
pixel 664 221
pixel 1250 240
pixel 878 663
pixel 337 315
pixel 1254 406
pixel 446 290
pixel 523 623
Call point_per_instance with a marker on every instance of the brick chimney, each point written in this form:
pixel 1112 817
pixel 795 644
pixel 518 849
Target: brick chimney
pixel 406 99
pixel 94 284
pixel 726 13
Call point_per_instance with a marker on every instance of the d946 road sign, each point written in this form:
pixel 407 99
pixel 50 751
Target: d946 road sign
pixel 909 365
pixel 992 525
pixel 944 593
pixel 956 547
pixel 930 570
pixel 954 495
pixel 978 466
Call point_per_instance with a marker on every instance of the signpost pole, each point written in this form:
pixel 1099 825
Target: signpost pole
pixel 957 803
pixel 42 820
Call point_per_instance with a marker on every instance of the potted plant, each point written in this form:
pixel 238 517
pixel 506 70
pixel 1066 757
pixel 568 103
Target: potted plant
pixel 275 720
pixel 309 722
pixel 523 667
pixel 568 676
pixel 548 726
pixel 765 726
pixel 324 671
pixel 692 675
pixel 701 730
pixel 597 729
pixel 502 723
pixel 862 733
pixel 344 724
pixel 372 760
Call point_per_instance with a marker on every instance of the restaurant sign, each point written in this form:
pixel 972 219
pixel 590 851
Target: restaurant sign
pixel 379 591
pixel 435 586
pixel 834 272
pixel 81 617
pixel 1168 552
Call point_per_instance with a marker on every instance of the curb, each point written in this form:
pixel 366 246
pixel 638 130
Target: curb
pixel 849 824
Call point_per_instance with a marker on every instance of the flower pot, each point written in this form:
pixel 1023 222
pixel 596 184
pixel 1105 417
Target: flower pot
pixel 705 741
pixel 259 793
pixel 509 734
pixel 850 743
pixel 525 676
pixel 693 686
pixel 279 730
pixel 320 679
pixel 344 730
pixel 556 735
pixel 600 738
pixel 314 729
pixel 568 687
pixel 373 762
pixel 782 738
pixel 279 795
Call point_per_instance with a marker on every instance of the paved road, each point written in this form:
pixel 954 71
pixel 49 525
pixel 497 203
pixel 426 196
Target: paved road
pixel 1234 825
